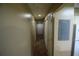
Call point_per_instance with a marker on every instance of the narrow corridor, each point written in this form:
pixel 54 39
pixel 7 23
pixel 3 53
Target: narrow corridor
pixel 39 48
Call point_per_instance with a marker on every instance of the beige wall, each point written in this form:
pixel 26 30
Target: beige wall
pixel 48 33
pixel 65 12
pixel 15 31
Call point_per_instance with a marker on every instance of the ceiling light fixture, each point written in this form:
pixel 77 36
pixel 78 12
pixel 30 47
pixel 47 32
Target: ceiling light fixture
pixel 39 15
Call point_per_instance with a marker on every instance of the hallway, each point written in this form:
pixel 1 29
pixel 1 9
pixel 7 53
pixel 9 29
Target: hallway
pixel 36 29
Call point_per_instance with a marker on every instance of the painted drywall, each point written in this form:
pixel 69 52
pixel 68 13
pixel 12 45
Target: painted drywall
pixel 15 31
pixel 46 32
pixel 49 33
pixel 65 12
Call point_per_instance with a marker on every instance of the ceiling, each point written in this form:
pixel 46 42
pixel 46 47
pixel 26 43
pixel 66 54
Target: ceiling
pixel 40 10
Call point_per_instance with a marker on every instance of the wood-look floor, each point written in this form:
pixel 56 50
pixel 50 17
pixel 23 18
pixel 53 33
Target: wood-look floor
pixel 39 48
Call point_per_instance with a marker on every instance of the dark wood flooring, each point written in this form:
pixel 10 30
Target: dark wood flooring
pixel 39 48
